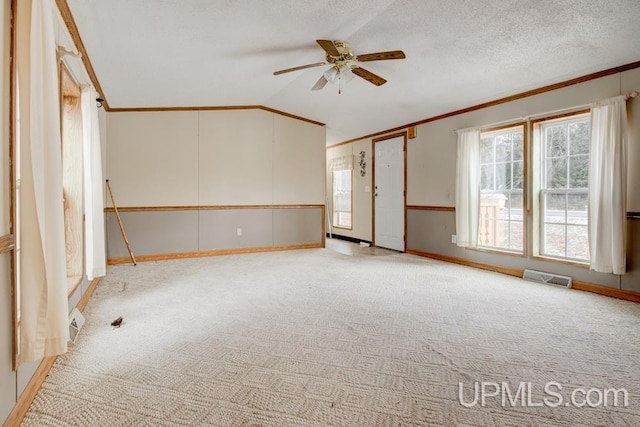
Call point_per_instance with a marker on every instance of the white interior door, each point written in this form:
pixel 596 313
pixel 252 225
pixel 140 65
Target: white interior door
pixel 389 194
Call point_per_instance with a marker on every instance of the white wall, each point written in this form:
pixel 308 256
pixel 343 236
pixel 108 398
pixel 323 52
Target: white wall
pixel 630 81
pixel 298 162
pixel 432 154
pixel 200 158
pixel 152 158
pixel 235 147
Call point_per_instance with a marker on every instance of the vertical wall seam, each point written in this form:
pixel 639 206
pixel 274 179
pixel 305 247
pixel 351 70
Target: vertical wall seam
pixel 273 178
pixel 198 176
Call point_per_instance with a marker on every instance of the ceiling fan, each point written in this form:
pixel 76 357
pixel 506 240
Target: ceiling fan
pixel 344 64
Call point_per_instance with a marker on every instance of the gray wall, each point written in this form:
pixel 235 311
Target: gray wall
pixel 180 231
pixel 430 231
pixel 631 280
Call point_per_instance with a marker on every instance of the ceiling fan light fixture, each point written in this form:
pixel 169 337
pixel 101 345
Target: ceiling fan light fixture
pixel 345 74
pixel 331 75
pixel 339 74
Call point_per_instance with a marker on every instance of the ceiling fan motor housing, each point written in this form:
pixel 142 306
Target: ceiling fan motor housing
pixel 346 54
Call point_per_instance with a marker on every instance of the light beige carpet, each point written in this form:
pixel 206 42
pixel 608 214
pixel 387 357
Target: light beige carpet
pixel 320 338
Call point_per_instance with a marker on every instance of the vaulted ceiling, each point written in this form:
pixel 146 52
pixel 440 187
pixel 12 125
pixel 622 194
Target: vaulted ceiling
pixel 169 53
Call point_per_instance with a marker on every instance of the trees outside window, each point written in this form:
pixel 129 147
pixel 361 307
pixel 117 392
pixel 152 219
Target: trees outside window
pixel 502 163
pixel 563 187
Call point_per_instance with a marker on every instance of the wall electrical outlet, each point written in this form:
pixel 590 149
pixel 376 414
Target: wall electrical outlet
pixel 454 238
pixel 239 231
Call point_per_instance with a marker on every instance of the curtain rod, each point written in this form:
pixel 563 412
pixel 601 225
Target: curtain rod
pixel 524 118
pixel 515 120
pixel 503 122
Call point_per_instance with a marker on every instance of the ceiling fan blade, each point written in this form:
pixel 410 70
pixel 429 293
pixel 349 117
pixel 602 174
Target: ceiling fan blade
pixel 301 67
pixel 328 47
pixel 368 76
pixel 322 81
pixel 381 56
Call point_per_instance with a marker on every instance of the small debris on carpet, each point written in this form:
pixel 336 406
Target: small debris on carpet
pixel 116 323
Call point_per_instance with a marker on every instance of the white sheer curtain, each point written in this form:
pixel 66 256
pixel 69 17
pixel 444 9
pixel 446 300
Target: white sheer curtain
pixel 93 186
pixel 342 163
pixel 341 175
pixel 607 186
pixel 44 306
pixel 468 187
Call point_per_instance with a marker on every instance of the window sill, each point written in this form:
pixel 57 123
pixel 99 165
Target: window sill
pixel 572 263
pixel 497 251
pixel 580 264
pixel 342 228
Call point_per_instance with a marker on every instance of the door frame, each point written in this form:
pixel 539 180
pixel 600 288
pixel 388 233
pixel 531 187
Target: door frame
pixel 373 183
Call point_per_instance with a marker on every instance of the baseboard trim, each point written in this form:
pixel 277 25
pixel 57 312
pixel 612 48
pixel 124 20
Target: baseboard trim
pixel 347 238
pixel 504 270
pixel 31 390
pixel 214 252
pixel 577 285
pixel 607 291
pixel 87 295
pixel 29 393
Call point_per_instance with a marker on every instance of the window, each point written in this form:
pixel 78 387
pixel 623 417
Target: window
pixel 501 189
pixel 533 198
pixel 72 177
pixel 563 187
pixel 342 198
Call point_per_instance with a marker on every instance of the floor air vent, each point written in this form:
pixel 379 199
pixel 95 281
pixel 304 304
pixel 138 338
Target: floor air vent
pixel 76 320
pixel 549 278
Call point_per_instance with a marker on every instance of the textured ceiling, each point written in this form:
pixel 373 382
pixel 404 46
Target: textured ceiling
pixel 167 53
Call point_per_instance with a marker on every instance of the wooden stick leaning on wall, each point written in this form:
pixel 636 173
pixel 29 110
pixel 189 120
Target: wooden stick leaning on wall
pixel 124 235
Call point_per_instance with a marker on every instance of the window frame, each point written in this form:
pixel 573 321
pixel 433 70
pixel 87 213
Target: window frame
pixel 524 192
pixel 335 216
pixel 538 190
